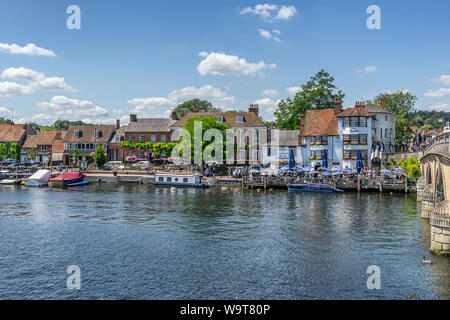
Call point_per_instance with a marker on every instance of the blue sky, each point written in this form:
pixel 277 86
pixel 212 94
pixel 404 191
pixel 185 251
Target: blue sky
pixel 148 56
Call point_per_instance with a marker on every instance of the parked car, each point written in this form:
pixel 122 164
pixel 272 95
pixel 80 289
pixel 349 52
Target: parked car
pixel 8 162
pixel 110 164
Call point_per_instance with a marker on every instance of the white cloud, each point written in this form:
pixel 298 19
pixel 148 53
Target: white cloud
pixel 62 107
pixel 271 12
pixel 266 34
pixel 267 107
pixel 368 69
pixel 276 31
pixel 9 89
pixel 36 80
pixel 262 10
pixel 270 93
pixel 30 50
pixel 437 92
pixel 153 105
pixel 286 13
pixel 227 65
pixel 293 90
pixel 440 107
pixel 444 79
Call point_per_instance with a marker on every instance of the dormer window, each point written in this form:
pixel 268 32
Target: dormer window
pixel 220 119
pixel 240 119
pixel 77 133
pixel 98 134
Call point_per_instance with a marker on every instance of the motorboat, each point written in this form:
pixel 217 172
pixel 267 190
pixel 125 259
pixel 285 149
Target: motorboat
pixel 39 179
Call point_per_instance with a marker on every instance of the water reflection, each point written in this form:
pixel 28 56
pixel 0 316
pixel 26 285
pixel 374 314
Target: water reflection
pixel 137 241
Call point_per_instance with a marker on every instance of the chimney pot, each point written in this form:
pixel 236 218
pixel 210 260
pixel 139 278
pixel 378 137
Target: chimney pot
pixel 337 106
pixel 133 118
pixel 118 124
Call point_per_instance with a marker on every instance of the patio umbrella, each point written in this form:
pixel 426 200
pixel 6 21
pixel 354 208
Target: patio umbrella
pixel 254 171
pixel 313 172
pixel 385 172
pixel 359 163
pixel 325 159
pixel 291 160
pixel 326 173
pixel 322 169
pixel 399 171
pixel 336 168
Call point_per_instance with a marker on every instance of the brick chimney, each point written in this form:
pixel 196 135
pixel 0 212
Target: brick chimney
pixel 360 104
pixel 383 103
pixel 118 124
pixel 254 108
pixel 301 131
pixel 337 106
pixel 174 115
pixel 133 118
pixel 195 109
pixel 181 113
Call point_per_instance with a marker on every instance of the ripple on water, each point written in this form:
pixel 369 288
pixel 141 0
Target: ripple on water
pixel 136 241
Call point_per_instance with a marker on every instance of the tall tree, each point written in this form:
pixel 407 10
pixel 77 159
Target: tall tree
pixel 191 105
pixel 402 104
pixel 207 122
pixel 318 93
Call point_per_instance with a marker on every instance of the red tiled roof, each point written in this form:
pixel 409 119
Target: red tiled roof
pixel 357 111
pixel 11 132
pixel 320 122
pixel 88 134
pixel 46 138
pixel 58 146
pixel 250 119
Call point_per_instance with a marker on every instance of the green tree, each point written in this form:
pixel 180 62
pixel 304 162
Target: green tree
pixel 318 93
pixel 191 105
pixel 99 156
pixel 32 154
pixel 402 104
pixel 207 122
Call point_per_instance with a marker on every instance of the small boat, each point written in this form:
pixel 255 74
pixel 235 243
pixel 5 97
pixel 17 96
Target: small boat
pixel 313 187
pixel 39 179
pixel 10 181
pixel 66 179
pixel 80 183
pixel 173 180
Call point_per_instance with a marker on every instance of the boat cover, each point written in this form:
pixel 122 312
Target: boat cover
pixel 67 176
pixel 40 175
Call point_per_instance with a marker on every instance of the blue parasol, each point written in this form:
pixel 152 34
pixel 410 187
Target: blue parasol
pixel 291 160
pixel 325 159
pixel 359 163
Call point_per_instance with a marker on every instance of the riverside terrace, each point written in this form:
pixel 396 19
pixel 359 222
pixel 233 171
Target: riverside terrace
pixel 348 181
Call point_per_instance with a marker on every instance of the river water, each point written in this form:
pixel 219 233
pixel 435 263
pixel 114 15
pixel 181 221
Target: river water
pixel 141 242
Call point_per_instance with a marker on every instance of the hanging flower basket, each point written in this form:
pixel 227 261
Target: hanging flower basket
pixel 345 158
pixel 311 158
pixel 312 143
pixel 363 143
pixel 345 142
pixel 318 158
pixel 324 143
pixel 318 143
pixel 354 143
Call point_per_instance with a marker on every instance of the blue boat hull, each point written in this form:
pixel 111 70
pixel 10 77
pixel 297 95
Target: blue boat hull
pixel 81 183
pixel 325 188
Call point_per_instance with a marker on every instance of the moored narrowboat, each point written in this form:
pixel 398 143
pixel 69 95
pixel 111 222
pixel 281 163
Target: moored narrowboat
pixel 181 180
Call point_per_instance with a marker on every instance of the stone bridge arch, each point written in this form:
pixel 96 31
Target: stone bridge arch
pixel 434 192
